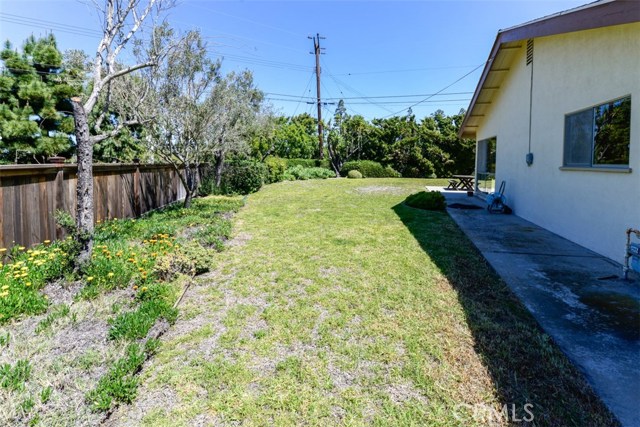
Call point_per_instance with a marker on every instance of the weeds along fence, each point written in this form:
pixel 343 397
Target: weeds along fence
pixel 31 194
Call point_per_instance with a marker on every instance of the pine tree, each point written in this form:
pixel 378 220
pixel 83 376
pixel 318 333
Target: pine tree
pixel 35 118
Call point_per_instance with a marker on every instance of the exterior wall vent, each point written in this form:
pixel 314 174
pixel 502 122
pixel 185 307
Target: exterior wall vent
pixel 529 51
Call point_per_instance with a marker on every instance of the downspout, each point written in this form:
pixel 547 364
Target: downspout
pixel 529 156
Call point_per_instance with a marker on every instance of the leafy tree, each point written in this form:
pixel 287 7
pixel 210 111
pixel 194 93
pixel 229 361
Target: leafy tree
pixel 293 137
pixel 35 121
pixel 182 132
pixel 199 115
pixel 237 105
pixel 346 137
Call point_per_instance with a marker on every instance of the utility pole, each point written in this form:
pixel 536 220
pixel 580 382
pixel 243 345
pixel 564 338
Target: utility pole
pixel 318 51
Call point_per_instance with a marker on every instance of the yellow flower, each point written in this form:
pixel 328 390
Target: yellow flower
pixel 110 274
pixel 5 287
pixel 46 242
pixel 144 288
pixel 4 294
pixel 28 284
pixel 90 278
pixel 21 248
pixel 135 287
pixel 2 250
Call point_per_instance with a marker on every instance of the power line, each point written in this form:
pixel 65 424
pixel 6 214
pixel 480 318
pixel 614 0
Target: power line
pixel 72 27
pixel 304 91
pixel 441 90
pixel 442 101
pixel 247 20
pixel 262 62
pixel 51 26
pixel 377 96
pixel 405 70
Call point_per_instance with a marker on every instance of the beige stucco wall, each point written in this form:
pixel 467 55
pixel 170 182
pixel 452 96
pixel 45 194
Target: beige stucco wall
pixel 570 72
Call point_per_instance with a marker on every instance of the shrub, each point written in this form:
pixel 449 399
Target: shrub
pixel 391 172
pixel 302 173
pixel 432 200
pixel 369 169
pixel 275 168
pixel 354 174
pixel 308 163
pixel 242 177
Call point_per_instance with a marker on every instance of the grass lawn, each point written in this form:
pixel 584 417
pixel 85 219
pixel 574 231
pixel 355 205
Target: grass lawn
pixel 335 304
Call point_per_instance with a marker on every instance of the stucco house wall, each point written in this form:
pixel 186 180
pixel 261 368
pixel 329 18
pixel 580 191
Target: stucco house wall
pixel 571 72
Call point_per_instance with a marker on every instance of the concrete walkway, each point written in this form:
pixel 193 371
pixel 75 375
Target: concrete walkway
pixel 574 294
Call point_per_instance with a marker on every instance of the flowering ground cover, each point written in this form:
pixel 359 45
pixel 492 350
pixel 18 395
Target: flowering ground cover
pixel 73 342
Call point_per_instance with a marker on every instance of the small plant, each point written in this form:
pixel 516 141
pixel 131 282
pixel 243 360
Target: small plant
pixel 215 233
pixel 120 384
pixel 354 174
pixel 14 377
pixel 4 339
pixel 45 394
pixel 59 311
pixel 136 324
pixel 432 200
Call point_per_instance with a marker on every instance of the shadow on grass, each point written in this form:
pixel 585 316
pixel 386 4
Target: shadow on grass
pixel 525 364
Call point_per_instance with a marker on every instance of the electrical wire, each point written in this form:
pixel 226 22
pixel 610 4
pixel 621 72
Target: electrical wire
pixel 304 91
pixel 49 25
pixel 374 97
pixel 438 92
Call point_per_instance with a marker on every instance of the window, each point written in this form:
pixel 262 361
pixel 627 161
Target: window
pixel 598 136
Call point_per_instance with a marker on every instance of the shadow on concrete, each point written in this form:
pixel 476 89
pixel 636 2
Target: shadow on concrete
pixel 524 363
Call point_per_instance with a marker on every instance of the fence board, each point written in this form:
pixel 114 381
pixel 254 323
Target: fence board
pixel 31 194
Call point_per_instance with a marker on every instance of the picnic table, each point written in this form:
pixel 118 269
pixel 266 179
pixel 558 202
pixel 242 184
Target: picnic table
pixel 461 182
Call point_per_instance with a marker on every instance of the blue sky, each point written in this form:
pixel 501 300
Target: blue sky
pixel 375 51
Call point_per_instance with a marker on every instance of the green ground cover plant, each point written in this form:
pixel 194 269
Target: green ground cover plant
pixel 26 272
pixel 137 271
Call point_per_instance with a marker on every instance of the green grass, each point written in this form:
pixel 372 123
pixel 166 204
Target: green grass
pixel 340 305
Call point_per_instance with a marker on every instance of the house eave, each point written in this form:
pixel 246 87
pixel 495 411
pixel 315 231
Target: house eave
pixel 600 14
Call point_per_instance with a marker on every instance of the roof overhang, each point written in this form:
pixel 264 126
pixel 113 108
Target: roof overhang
pixel 602 13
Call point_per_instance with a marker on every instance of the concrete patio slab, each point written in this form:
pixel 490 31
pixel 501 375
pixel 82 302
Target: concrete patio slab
pixel 576 295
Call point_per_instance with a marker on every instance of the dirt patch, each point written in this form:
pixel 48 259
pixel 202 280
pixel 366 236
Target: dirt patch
pixel 69 355
pixel 240 239
pixel 60 292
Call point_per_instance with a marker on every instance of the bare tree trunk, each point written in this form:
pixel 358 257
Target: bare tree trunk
pixel 219 168
pixel 190 185
pixel 84 214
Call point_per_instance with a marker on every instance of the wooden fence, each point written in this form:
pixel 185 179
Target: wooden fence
pixel 31 194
